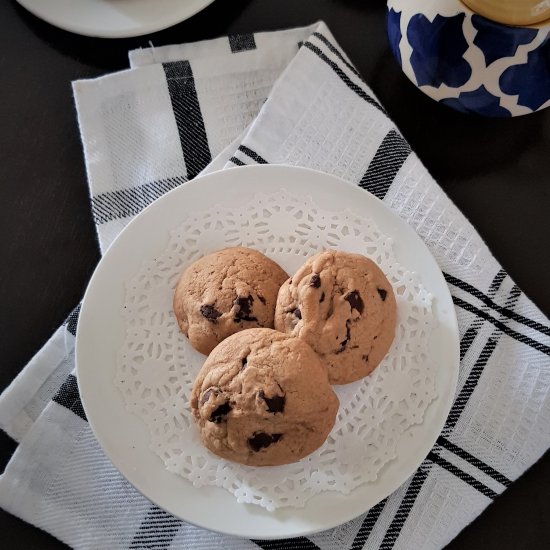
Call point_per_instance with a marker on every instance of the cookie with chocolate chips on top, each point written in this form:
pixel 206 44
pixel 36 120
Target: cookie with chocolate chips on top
pixel 263 398
pixel 343 306
pixel 224 292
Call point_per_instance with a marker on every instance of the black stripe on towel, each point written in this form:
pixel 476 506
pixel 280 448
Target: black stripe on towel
pixel 539 346
pixel 187 112
pixel 475 373
pixel 413 490
pixel 298 543
pixel 388 160
pixel 367 526
pixel 252 154
pixel 506 312
pixel 344 77
pixel 237 161
pixel 157 530
pixel 241 42
pixel 72 320
pixel 68 397
pixel 473 330
pixel 474 461
pixel 125 203
pixel 336 52
pixel 497 281
pixel 470 384
pixel 467 478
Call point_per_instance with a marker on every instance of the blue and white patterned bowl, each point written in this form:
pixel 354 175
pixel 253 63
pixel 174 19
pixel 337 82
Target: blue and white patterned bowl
pixel 468 62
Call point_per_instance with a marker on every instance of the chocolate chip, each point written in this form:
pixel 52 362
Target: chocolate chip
pixel 219 414
pixel 262 299
pixel 344 343
pixel 315 281
pixel 245 306
pixel 244 363
pixel 322 298
pixel 260 440
pixel 206 395
pixel 244 303
pixel 355 301
pixel 383 293
pixel 210 313
pixel 274 404
pixel 297 313
pixel 238 319
pixel 365 358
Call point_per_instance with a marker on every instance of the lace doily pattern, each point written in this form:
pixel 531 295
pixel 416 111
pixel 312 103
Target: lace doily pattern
pixel 156 366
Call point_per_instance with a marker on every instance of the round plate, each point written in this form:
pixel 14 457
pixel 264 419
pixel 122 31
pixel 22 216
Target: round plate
pixel 125 438
pixel 114 18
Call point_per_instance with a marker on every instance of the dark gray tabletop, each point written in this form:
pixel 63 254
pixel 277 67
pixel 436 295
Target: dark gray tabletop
pixel 496 171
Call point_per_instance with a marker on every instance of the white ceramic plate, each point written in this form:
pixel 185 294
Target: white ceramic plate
pixel 114 18
pixel 125 438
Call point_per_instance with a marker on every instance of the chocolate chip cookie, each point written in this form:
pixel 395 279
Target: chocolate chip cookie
pixel 263 398
pixel 343 306
pixel 225 292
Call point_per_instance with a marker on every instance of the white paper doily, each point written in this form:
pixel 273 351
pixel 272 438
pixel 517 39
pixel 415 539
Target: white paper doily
pixel 156 366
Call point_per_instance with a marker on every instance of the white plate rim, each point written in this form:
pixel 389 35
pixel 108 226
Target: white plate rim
pixel 43 9
pixel 281 523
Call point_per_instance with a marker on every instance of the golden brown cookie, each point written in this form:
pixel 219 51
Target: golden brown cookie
pixel 343 306
pixel 263 398
pixel 227 291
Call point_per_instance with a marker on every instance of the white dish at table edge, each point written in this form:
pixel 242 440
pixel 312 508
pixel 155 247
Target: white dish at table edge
pixel 114 19
pixel 125 438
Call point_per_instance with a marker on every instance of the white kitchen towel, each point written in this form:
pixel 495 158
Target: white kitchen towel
pixel 289 97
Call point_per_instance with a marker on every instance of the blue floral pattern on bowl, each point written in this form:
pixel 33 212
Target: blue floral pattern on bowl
pixel 497 41
pixel 468 62
pixel 531 80
pixel 438 49
pixel 478 101
pixel 394 33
